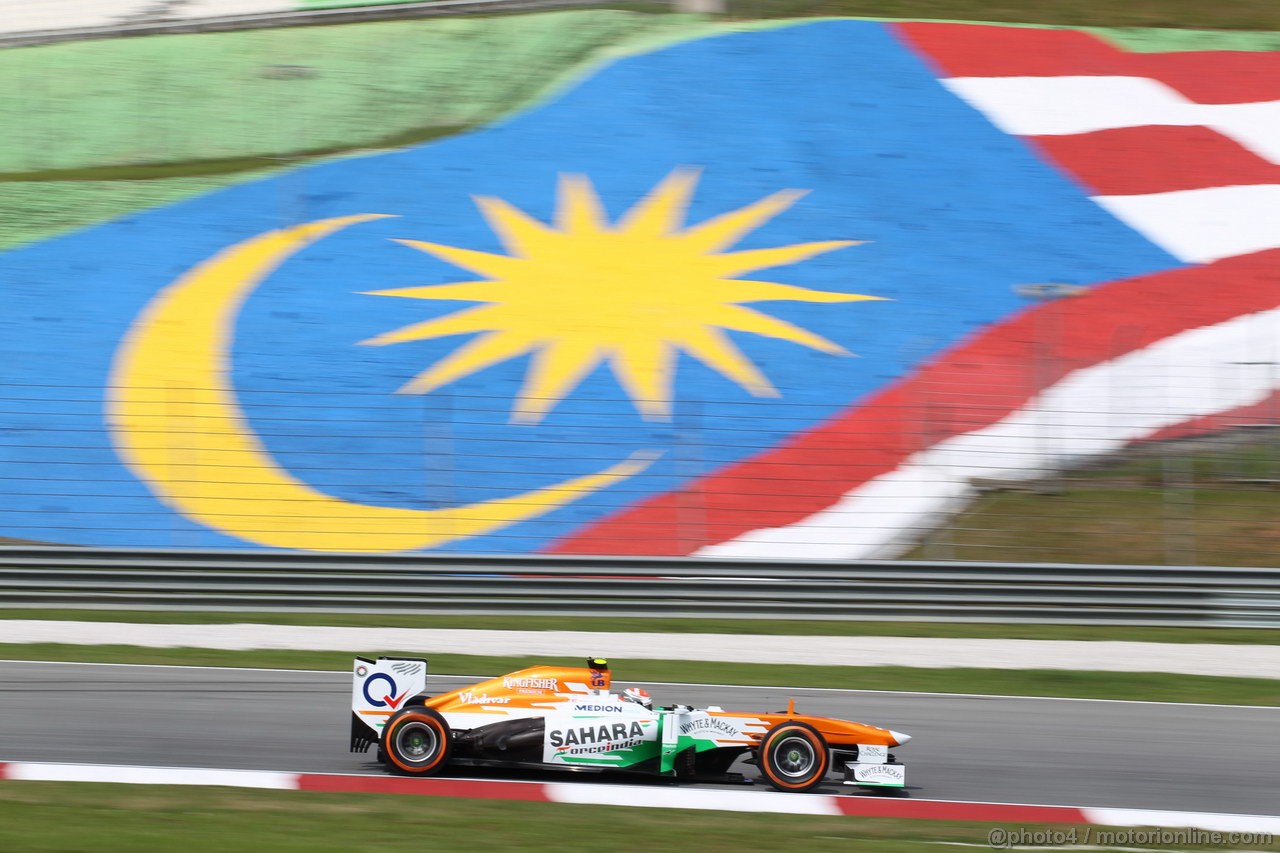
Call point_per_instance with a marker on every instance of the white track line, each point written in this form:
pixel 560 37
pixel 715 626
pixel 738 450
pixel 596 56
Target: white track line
pixel 1210 659
pixel 854 807
pixel 30 771
pixel 778 687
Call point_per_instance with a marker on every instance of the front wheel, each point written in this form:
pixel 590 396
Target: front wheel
pixel 794 757
pixel 417 741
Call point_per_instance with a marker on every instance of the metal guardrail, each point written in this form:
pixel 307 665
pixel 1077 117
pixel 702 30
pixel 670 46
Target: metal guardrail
pixel 52 577
pixel 303 17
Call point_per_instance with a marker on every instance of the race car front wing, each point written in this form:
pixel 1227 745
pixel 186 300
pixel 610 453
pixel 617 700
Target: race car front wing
pixel 874 767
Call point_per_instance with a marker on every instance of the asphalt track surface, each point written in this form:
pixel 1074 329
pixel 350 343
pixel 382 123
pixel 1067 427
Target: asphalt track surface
pixel 993 749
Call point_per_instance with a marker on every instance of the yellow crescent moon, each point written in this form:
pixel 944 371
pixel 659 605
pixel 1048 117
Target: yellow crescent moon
pixel 178 426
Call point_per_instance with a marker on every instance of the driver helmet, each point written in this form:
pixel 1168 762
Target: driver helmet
pixel 639 696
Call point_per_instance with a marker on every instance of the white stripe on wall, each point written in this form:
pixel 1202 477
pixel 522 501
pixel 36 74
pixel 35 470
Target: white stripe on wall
pixel 1055 106
pixel 37 772
pixel 28 16
pixel 1091 412
pixel 1198 820
pixel 1199 226
pixel 690 798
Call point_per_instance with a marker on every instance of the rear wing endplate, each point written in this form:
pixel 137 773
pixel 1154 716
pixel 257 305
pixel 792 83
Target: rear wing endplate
pixel 379 688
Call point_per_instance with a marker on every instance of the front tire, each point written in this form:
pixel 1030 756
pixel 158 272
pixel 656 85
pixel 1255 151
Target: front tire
pixel 794 757
pixel 417 741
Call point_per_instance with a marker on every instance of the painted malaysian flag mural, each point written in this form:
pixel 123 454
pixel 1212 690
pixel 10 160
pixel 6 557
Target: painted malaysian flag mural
pixel 775 293
pixel 1182 148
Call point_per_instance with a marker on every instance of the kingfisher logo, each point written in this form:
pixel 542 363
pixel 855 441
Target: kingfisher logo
pixel 526 683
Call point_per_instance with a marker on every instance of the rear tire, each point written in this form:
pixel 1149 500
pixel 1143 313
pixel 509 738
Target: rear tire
pixel 794 757
pixel 417 741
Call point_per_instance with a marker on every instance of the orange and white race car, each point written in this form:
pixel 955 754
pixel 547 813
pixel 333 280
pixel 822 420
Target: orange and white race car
pixel 566 717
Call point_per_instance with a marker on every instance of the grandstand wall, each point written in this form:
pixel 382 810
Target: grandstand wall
pixel 787 291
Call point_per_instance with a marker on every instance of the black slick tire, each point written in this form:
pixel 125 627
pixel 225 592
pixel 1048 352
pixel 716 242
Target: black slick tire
pixel 417 741
pixel 794 757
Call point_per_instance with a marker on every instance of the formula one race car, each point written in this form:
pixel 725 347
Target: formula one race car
pixel 565 717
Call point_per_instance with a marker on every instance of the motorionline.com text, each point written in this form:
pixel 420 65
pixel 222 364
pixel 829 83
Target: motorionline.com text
pixel 1005 838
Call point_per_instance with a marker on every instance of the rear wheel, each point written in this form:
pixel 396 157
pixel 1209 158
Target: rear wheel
pixel 794 757
pixel 417 741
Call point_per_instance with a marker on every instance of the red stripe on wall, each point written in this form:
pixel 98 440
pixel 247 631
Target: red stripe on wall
pixel 1121 161
pixel 469 788
pixel 811 471
pixel 973 50
pixel 1217 77
pixel 1207 77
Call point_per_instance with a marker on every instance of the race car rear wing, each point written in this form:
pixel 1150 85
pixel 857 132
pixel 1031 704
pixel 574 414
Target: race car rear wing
pixel 379 689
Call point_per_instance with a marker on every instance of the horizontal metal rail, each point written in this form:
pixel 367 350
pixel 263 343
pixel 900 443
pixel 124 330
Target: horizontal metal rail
pixel 245 581
pixel 301 17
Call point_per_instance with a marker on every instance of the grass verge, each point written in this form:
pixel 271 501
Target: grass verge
pixel 57 816
pixel 396 83
pixel 767 627
pixel 256 95
pixel 389 84
pixel 1208 501
pixel 1236 15
pixel 1144 686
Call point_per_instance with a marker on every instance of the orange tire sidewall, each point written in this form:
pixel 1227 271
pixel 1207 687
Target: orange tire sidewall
pixel 819 749
pixel 441 736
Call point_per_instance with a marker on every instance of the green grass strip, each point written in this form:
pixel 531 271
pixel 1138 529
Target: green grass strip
pixel 99 130
pixel 43 817
pixel 342 4
pixel 128 108
pixel 1167 40
pixel 1147 686
pixel 800 628
pixel 1215 525
pixel 1191 14
pixel 221 97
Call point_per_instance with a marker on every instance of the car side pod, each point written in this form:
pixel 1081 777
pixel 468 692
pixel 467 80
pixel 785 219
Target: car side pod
pixel 875 767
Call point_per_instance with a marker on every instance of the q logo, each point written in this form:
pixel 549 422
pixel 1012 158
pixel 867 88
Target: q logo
pixel 390 692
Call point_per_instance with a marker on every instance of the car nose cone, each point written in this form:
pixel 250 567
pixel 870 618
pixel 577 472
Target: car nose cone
pixel 899 737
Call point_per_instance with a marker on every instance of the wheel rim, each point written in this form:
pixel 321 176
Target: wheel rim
pixel 416 742
pixel 795 757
